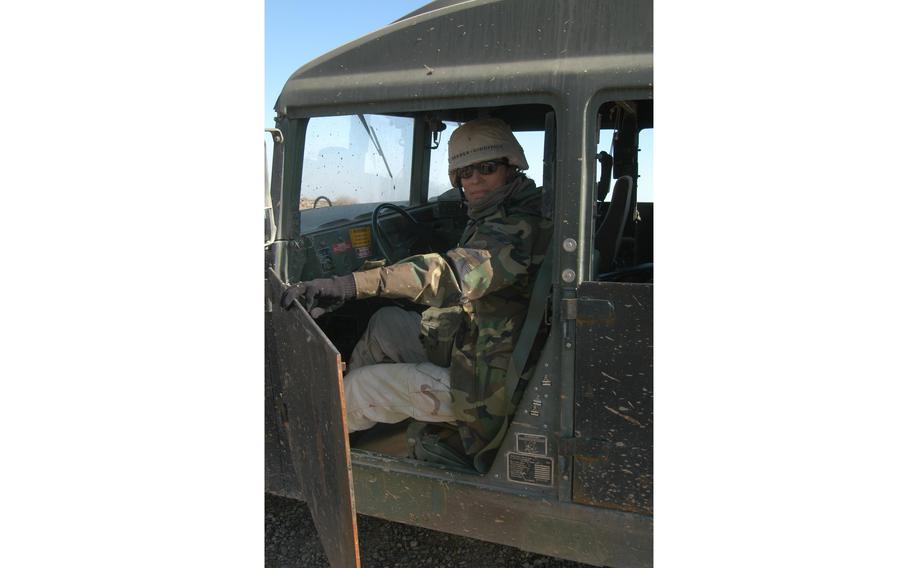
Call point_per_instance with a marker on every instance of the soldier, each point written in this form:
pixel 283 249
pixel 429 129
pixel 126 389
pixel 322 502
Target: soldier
pixel 450 363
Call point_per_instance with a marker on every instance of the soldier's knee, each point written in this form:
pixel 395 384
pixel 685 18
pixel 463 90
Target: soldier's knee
pixel 365 383
pixel 355 379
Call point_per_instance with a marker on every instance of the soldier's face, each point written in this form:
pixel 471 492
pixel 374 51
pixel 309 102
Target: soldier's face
pixel 478 185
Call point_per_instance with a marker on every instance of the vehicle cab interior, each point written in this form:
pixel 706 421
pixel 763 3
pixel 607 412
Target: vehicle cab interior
pixel 374 189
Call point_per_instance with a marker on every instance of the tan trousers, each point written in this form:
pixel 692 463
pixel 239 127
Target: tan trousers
pixel 389 378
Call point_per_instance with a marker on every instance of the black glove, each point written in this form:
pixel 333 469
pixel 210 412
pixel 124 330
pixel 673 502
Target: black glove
pixel 322 295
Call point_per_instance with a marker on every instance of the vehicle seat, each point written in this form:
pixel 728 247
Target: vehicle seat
pixel 609 234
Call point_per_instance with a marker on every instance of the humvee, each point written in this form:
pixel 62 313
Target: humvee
pixel 359 177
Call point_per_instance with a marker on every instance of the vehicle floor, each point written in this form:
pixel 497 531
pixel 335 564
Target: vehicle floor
pixel 387 439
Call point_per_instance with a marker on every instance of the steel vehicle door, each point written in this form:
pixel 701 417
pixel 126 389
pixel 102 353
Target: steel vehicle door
pixel 614 397
pixel 309 368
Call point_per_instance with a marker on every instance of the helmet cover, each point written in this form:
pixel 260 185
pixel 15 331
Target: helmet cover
pixel 481 140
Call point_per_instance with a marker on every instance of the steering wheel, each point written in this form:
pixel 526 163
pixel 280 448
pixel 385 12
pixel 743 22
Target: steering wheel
pixel 380 238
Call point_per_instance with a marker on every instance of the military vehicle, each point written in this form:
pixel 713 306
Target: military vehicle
pixel 359 176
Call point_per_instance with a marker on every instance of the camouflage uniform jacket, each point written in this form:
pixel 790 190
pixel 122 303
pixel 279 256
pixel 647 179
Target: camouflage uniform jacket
pixel 490 275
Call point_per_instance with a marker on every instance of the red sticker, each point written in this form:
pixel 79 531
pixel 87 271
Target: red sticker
pixel 339 248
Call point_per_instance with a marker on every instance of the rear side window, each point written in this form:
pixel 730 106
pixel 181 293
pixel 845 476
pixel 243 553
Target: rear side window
pixel 645 192
pixel 646 165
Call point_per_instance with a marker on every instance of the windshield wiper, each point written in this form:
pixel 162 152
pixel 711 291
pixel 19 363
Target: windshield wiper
pixel 375 140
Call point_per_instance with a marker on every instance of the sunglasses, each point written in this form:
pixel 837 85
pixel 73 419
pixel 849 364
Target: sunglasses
pixel 485 168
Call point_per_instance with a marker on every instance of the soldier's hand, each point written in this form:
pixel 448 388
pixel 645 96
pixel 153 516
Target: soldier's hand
pixel 322 295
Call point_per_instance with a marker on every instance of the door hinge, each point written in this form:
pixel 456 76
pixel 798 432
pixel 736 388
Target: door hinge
pixel 569 308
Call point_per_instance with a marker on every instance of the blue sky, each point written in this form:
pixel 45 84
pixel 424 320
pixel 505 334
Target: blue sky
pixel 297 32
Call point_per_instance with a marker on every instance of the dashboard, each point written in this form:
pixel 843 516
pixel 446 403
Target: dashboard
pixel 343 245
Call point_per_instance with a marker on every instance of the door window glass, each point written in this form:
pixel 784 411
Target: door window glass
pixel 531 142
pixel 439 163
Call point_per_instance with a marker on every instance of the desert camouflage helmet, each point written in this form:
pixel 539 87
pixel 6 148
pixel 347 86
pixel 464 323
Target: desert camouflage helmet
pixel 484 139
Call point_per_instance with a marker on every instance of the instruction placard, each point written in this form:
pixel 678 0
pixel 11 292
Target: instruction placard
pixel 531 470
pixel 530 444
pixel 360 237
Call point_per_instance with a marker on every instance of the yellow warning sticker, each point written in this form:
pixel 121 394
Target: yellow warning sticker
pixel 360 237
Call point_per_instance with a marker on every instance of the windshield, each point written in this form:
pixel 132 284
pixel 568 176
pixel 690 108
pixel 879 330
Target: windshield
pixel 356 159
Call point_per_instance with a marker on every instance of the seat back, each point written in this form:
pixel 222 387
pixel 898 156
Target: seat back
pixel 609 233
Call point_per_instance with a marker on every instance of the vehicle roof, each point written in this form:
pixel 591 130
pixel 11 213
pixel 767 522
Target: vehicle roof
pixel 476 48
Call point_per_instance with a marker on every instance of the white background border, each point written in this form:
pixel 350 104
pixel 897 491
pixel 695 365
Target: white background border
pixel 132 345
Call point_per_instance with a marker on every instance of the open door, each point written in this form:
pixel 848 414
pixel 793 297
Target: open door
pixel 310 370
